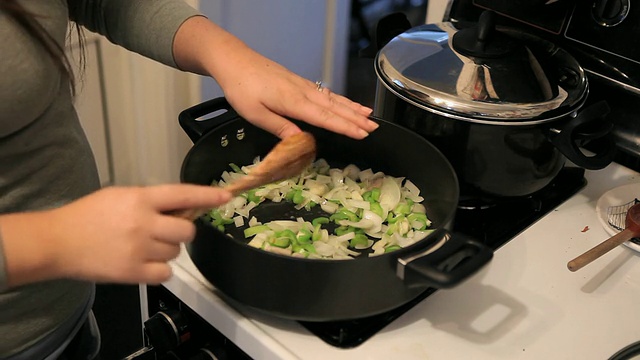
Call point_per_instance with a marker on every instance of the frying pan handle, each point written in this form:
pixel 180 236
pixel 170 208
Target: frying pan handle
pixel 455 261
pixel 589 126
pixel 195 127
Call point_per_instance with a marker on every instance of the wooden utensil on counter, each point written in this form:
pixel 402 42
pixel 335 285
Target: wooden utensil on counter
pixel 287 159
pixel 632 229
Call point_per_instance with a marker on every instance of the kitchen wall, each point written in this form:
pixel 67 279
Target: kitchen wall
pixel 308 37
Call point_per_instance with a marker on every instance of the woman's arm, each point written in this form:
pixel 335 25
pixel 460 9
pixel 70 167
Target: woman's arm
pixel 261 90
pixel 118 234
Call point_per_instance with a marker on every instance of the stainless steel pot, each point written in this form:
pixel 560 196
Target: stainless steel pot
pixel 504 107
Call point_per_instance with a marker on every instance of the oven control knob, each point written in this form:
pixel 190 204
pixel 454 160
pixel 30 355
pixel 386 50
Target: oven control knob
pixel 609 13
pixel 166 330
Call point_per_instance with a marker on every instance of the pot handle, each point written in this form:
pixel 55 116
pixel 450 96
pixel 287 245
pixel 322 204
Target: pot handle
pixel 456 260
pixel 195 128
pixel 589 126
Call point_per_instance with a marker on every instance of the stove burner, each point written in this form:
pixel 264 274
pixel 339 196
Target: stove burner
pixel 493 221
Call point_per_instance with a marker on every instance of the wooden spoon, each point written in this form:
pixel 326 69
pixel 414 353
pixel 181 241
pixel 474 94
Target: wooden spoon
pixel 632 229
pixel 287 159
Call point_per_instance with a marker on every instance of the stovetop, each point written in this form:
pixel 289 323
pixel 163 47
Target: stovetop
pixel 492 221
pixel 525 304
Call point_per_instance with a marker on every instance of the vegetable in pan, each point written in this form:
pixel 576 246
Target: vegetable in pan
pixel 365 210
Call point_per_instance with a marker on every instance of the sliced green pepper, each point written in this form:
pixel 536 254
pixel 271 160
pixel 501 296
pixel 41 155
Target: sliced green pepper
pixel 341 230
pixel 317 233
pixel 376 208
pixel 281 241
pixel 253 230
pixel 359 240
pixel 297 197
pixel 392 248
pixel 375 194
pixel 344 214
pixel 320 220
pixel 303 236
pixel 251 196
pixel 402 209
pixel 418 217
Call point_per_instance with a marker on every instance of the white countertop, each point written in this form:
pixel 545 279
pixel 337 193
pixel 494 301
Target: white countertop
pixel 524 305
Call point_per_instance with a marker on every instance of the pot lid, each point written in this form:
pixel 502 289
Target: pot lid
pixel 481 72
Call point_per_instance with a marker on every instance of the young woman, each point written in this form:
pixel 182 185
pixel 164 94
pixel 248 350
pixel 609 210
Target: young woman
pixel 60 233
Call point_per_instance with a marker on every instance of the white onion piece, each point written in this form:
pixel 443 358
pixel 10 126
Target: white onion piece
pixel 254 221
pixel 365 175
pixel 358 204
pixel 345 237
pixel 389 194
pixel 362 224
pixel 419 208
pixel 238 221
pixel 329 207
pixel 375 219
pixel 337 178
pixel 351 171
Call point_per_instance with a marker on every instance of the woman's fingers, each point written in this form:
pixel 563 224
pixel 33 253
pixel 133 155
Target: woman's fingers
pixel 326 110
pixel 161 251
pixel 154 273
pixel 185 196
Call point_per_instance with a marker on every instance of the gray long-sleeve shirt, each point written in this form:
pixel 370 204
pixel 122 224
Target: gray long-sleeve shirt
pixel 45 159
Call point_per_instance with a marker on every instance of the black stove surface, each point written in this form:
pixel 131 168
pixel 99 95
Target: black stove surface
pixel 488 220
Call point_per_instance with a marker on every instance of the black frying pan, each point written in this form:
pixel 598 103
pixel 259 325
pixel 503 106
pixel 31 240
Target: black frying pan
pixel 326 290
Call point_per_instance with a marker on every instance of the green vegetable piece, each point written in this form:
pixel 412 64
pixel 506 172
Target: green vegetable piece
pixel 309 205
pixel 344 214
pixel 367 196
pixel 392 248
pixel 289 195
pixel 359 240
pixel 253 230
pixel 392 229
pixel 281 241
pixel 236 168
pixel 341 230
pixel 419 217
pixel 375 194
pixel 220 228
pixel 251 196
pixel 317 234
pixel 402 209
pixel 319 221
pixel 309 248
pixel 217 219
pixel 287 233
pixel 376 208
pixel 394 219
pixel 303 236
pixel 297 197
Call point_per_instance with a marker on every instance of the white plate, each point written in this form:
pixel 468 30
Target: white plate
pixel 616 197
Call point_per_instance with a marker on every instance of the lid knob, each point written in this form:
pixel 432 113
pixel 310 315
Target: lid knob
pixel 482 40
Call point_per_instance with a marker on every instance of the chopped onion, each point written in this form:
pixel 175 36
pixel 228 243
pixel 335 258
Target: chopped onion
pixel 369 200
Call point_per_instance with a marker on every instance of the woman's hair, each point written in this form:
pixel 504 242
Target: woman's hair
pixel 31 25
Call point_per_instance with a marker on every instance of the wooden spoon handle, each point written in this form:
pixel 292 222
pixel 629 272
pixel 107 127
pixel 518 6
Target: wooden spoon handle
pixel 600 249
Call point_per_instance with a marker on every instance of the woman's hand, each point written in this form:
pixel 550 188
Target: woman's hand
pixel 118 234
pixel 261 90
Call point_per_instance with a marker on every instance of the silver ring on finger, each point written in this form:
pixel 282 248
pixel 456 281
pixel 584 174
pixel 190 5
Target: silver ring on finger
pixel 319 85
